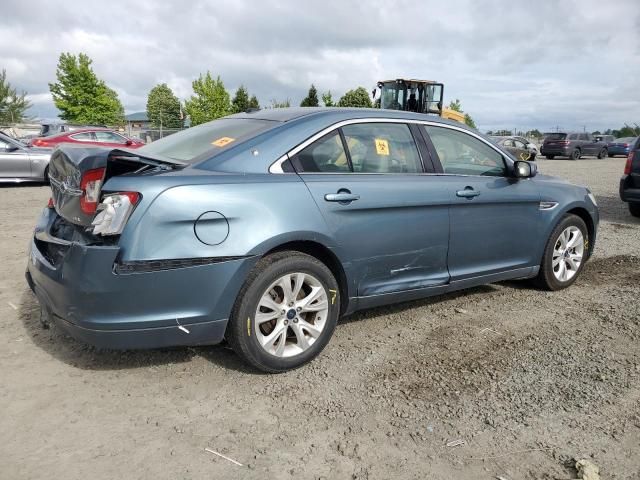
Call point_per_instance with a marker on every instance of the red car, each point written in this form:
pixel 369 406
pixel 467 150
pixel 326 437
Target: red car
pixel 88 136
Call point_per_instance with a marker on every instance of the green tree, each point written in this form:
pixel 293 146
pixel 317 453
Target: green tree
pixel 311 99
pixel 628 131
pixel 211 100
pixel 280 104
pixel 327 99
pixel 469 121
pixel 13 105
pixel 455 105
pixel 81 96
pixel 163 107
pixel 253 103
pixel 240 102
pixel 356 98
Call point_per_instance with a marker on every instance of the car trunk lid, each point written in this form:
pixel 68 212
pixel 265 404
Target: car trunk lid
pixel 77 174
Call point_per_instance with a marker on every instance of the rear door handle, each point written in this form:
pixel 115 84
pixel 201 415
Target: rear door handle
pixel 468 192
pixel 342 197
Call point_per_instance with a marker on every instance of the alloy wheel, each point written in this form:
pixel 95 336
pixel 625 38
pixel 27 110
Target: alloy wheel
pixel 291 314
pixel 568 253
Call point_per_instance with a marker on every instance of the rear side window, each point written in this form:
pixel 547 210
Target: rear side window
pixel 463 154
pixel 382 148
pixel 573 136
pixel 584 136
pixel 83 137
pixel 212 137
pixel 324 155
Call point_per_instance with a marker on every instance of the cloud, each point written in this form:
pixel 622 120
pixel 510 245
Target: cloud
pixel 516 64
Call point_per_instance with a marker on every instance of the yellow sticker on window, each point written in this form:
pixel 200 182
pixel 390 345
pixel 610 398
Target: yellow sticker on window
pixel 382 146
pixel 222 141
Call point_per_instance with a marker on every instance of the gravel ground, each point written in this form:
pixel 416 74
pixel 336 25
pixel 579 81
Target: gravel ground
pixel 528 380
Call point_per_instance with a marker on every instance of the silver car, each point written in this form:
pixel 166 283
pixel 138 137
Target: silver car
pixel 21 163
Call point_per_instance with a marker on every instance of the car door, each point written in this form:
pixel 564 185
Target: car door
pixel 387 217
pixel 14 160
pixel 494 217
pixel 590 146
pixel 520 150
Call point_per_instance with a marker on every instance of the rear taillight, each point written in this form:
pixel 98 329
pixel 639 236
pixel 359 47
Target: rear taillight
pixel 115 210
pixel 565 142
pixel 90 185
pixel 625 145
pixel 627 166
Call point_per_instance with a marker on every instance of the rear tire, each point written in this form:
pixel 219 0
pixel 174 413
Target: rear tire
pixel 634 209
pixel 603 153
pixel 561 253
pixel 45 176
pixel 550 157
pixel 272 328
pixel 575 155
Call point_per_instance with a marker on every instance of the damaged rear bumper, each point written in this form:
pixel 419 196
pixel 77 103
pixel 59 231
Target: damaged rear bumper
pixel 79 290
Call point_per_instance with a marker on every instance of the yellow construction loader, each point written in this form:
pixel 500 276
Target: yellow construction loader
pixel 422 96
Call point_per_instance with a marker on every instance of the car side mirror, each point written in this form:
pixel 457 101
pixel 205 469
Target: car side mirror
pixel 11 148
pixel 524 169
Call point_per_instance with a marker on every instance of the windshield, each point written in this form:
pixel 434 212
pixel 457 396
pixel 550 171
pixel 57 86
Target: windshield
pixel 392 97
pixel 215 136
pixel 556 136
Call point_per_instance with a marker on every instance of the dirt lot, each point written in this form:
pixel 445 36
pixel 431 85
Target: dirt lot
pixel 529 380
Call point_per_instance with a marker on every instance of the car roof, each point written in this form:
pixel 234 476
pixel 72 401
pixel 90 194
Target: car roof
pixel 81 130
pixel 337 114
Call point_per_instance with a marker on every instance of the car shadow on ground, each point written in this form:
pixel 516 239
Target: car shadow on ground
pixel 79 355
pixel 614 210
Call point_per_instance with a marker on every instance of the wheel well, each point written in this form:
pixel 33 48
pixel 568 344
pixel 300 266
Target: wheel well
pixel 327 257
pixel 586 218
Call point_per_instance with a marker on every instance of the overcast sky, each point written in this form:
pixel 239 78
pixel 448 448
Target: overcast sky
pixel 511 63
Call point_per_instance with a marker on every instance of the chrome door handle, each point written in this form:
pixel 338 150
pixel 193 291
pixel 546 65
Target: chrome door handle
pixel 467 193
pixel 341 197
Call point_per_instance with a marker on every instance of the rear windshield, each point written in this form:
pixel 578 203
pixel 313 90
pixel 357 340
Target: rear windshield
pixel 556 136
pixel 188 145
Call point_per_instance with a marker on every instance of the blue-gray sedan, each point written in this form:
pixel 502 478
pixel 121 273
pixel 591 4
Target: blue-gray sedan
pixel 265 227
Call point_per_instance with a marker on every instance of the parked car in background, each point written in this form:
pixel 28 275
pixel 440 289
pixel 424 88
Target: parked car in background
pixel 630 181
pixel 572 145
pixel 48 129
pixel 621 146
pixel 22 163
pixel 532 147
pixel 265 227
pixel 515 147
pixel 608 139
pixel 89 136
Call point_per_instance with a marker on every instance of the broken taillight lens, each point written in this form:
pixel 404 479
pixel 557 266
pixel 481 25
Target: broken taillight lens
pixel 90 185
pixel 115 210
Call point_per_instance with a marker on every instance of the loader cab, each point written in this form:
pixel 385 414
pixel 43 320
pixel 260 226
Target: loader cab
pixel 422 96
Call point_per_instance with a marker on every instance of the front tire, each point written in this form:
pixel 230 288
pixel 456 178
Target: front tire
pixel 603 154
pixel 634 209
pixel 564 255
pixel 285 313
pixel 550 157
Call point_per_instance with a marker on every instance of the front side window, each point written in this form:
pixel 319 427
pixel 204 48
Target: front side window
pixel 324 155
pixel 382 148
pixel 463 154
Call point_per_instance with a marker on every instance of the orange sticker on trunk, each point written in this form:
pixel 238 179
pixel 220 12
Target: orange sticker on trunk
pixel 222 141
